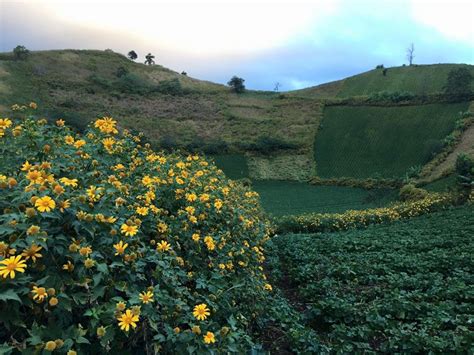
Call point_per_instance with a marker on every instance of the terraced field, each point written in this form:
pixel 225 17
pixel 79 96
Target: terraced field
pixel 381 141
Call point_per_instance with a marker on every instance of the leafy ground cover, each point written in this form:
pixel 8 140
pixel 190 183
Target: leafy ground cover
pixel 407 287
pixel 381 141
pixel 290 197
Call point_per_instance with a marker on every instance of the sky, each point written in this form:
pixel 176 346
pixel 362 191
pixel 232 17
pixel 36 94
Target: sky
pixel 297 44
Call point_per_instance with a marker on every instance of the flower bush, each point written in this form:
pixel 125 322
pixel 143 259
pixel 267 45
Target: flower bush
pixel 106 245
pixel 333 222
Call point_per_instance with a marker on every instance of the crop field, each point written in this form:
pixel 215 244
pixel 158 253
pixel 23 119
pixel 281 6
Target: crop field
pixel 381 141
pixel 290 197
pixel 407 287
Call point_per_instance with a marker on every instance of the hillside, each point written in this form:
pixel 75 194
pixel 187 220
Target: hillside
pixel 269 135
pixel 416 79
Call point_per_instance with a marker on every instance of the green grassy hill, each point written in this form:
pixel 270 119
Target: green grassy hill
pixel 273 134
pixel 417 79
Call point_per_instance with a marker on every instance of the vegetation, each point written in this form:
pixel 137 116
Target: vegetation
pixel 332 222
pixel 458 85
pixel 281 198
pixel 132 55
pixel 237 84
pixel 381 141
pixel 107 245
pixel 20 53
pixel 401 288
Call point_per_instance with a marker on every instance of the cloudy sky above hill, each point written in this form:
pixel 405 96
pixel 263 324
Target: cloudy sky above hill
pixel 298 44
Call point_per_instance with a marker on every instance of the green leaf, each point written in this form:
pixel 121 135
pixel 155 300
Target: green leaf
pixel 9 295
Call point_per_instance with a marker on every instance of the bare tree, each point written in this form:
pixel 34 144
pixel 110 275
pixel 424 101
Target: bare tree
pixel 277 86
pixel 410 55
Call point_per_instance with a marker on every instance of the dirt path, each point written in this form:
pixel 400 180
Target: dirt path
pixel 466 145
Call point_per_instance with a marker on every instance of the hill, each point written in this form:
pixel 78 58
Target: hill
pixel 416 79
pixel 267 135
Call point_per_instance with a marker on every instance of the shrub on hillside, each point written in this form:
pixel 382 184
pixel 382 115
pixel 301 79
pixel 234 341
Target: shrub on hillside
pixel 465 177
pixel 20 53
pixel 410 192
pixel 267 145
pixel 170 87
pixel 458 84
pixel 108 246
pixel 237 84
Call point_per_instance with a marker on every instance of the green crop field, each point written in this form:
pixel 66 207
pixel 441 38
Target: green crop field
pixel 386 141
pixel 401 288
pixel 290 197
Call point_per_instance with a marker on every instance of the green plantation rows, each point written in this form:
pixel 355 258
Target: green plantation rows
pixel 407 287
pixel 381 141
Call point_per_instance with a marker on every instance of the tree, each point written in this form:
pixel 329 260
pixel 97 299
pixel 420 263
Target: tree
pixel 237 84
pixel 410 55
pixel 458 85
pixel 184 73
pixel 132 55
pixel 277 87
pixel 149 59
pixel 20 53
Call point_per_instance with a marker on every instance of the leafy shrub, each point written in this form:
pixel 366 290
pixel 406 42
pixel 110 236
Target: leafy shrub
pixel 121 71
pixel 392 96
pixel 410 192
pixel 458 84
pixel 133 84
pixel 237 84
pixel 368 184
pixel 108 246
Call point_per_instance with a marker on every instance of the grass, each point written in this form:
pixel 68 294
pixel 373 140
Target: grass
pixel 441 185
pixel 291 198
pixel 381 141
pixel 401 288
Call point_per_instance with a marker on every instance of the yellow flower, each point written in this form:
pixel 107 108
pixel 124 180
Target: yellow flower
pixel 101 331
pixel 5 123
pixel 120 247
pixel 163 246
pixel 34 176
pixel 68 267
pixel 79 143
pixel 128 319
pixel 33 230
pixel 146 297
pixel 191 197
pixel 106 125
pixel 69 182
pixel 218 204
pixel 120 306
pixel 88 263
pixel 32 252
pixel 33 105
pixel 108 143
pixel 53 301
pixel 64 205
pixel 142 211
pixel 209 338
pixel 85 251
pixel 268 287
pixel 10 265
pixel 50 345
pixel 26 166
pixel 71 352
pixel 129 231
pixel 69 140
pixel 196 237
pixel 60 123
pixel 201 311
pixel 45 204
pixel 39 293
